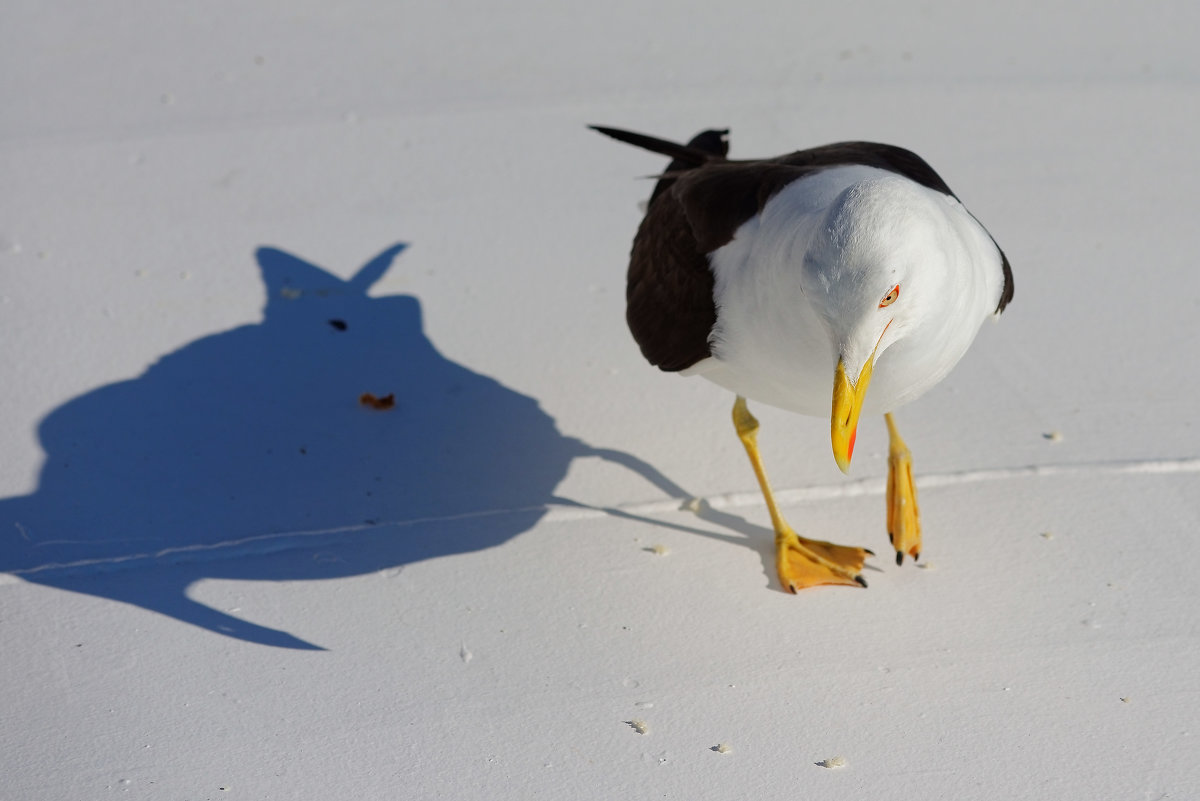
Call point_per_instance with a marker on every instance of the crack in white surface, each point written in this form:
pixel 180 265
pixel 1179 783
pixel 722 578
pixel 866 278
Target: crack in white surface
pixel 287 540
pixel 875 486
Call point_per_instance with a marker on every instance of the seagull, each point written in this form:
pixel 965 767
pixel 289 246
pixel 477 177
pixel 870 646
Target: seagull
pixel 849 270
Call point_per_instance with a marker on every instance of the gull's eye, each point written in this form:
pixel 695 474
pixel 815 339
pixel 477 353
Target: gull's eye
pixel 890 297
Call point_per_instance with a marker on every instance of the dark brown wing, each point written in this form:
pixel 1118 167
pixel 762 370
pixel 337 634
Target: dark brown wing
pixel 669 288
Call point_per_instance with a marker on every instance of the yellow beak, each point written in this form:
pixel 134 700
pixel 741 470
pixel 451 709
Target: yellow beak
pixel 847 403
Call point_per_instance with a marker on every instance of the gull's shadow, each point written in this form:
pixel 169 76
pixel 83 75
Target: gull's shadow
pixel 253 441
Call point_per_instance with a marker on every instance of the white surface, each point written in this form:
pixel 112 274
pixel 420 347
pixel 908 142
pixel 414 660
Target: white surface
pixel 479 636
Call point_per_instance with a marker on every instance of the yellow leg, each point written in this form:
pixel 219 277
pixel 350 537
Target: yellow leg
pixel 801 563
pixel 904 529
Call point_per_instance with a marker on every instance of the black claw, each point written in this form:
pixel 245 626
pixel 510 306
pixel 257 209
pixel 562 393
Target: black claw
pixel 861 580
pixel 916 556
pixel 891 538
pixel 899 558
pixel 868 550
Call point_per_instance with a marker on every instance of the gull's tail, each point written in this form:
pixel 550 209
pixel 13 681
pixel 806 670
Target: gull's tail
pixel 705 147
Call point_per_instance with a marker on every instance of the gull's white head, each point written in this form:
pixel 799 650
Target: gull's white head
pixel 855 270
pixel 874 271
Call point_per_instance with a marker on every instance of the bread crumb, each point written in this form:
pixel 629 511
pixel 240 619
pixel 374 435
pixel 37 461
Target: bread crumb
pixel 660 550
pixel 833 762
pixel 639 725
pixel 694 505
pixel 386 402
pixel 722 748
pixel 1047 535
pixel 1053 436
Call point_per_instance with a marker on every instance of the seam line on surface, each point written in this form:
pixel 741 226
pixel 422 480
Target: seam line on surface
pixel 556 513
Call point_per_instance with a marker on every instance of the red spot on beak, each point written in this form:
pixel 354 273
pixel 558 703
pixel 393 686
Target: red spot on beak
pixel 850 450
